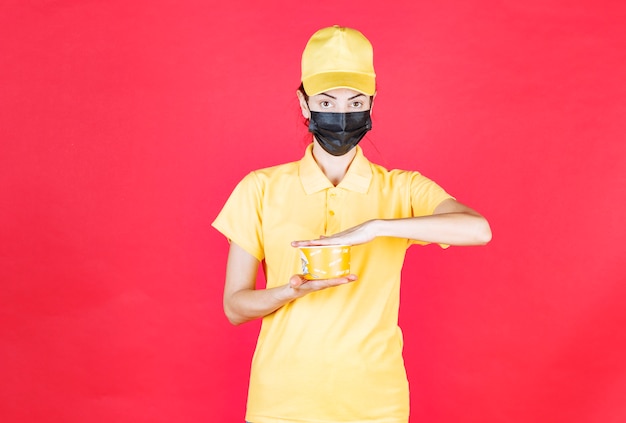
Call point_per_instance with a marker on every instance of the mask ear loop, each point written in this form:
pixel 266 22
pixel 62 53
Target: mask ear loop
pixel 367 137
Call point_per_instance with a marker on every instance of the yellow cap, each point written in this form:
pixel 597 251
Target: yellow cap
pixel 338 57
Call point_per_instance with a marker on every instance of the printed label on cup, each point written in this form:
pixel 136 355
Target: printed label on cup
pixel 326 261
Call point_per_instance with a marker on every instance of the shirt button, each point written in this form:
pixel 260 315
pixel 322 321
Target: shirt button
pixel 332 213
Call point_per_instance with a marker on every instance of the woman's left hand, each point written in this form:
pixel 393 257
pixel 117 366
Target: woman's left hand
pixel 451 223
pixel 356 235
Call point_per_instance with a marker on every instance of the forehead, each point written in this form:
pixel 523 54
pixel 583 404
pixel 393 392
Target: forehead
pixel 340 94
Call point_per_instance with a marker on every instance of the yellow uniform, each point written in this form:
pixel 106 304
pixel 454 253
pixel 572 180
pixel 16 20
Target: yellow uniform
pixel 334 355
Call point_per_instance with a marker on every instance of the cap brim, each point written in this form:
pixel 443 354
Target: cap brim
pixel 321 82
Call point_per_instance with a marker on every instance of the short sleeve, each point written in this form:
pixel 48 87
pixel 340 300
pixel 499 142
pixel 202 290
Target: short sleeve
pixel 426 195
pixel 241 218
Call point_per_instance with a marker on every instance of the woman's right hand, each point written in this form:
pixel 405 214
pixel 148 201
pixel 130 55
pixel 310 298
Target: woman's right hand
pixel 243 302
pixel 298 286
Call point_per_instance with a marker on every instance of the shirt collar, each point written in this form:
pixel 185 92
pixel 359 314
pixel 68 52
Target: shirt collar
pixel 357 178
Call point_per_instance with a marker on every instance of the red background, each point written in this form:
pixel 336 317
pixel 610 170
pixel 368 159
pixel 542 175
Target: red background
pixel 125 125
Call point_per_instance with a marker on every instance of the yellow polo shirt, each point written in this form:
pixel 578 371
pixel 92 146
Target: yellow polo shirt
pixel 333 355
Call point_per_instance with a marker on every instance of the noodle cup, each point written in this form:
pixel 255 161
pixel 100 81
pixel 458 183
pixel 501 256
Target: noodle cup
pixel 325 261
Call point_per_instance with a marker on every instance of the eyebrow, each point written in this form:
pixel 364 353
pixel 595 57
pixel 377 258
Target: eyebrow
pixel 335 98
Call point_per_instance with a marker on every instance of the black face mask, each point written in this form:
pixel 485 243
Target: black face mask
pixel 339 133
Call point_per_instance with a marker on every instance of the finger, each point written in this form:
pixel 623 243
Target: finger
pixel 346 279
pixel 339 281
pixel 309 243
pixel 296 281
pixel 305 285
pixel 327 240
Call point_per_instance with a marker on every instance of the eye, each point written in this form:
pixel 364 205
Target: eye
pixel 325 104
pixel 356 104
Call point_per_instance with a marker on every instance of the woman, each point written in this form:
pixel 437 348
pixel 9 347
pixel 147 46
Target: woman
pixel 331 350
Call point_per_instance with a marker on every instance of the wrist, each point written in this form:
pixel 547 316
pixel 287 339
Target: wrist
pixel 378 227
pixel 284 294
